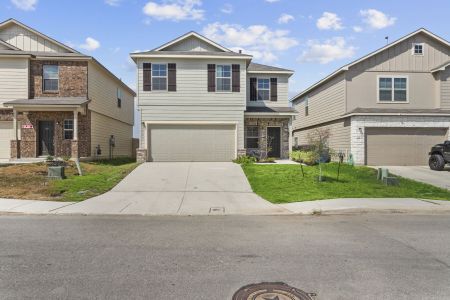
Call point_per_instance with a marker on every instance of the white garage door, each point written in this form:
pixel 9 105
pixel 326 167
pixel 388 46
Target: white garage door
pixel 6 135
pixel 191 142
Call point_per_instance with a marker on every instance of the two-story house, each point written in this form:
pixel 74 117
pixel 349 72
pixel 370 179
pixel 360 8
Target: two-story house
pixel 200 101
pixel 386 108
pixel 57 101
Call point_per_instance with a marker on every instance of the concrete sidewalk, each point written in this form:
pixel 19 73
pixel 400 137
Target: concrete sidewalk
pixel 201 206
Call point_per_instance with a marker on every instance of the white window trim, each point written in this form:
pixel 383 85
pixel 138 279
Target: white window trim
pixel 257 89
pixel 413 48
pixel 167 78
pixel 252 137
pixel 43 80
pixel 64 129
pixel 392 92
pixel 231 79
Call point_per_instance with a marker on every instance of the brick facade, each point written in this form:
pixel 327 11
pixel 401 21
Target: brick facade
pixel 262 124
pixel 29 144
pixel 73 79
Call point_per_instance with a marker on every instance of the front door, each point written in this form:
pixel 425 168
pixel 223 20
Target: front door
pixel 46 138
pixel 273 141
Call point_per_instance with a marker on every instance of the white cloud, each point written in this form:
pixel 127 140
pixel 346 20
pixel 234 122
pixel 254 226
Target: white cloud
pixel 357 29
pixel 285 18
pixel 113 2
pixel 175 10
pixel 90 44
pixel 377 19
pixel 256 39
pixel 258 55
pixel 327 51
pixel 329 21
pixel 227 8
pixel 25 4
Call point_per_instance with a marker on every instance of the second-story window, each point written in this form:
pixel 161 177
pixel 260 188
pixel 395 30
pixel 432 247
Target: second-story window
pixel 392 89
pixel 306 106
pixel 159 77
pixel 223 78
pixel 119 98
pixel 50 78
pixel 263 89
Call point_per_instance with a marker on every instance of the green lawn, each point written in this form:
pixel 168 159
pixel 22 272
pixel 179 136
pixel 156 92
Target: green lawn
pixel 98 178
pixel 29 181
pixel 285 183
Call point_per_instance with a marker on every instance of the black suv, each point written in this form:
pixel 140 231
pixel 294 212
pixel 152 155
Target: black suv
pixel 439 156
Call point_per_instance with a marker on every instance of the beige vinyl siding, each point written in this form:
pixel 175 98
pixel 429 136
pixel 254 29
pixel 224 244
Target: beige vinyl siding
pixel 102 127
pixel 102 90
pixel 399 57
pixel 445 88
pixel 191 114
pixel 13 79
pixel 27 40
pixel 339 134
pixel 4 47
pixel 282 90
pixel 192 44
pixel 326 103
pixel 192 85
pixel 6 135
pixel 362 90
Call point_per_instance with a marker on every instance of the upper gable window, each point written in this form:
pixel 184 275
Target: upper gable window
pixel 51 78
pixel 263 89
pixel 223 78
pixel 159 77
pixel 392 89
pixel 119 98
pixel 418 49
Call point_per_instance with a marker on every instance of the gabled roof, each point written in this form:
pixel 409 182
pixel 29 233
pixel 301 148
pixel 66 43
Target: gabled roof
pixel 14 21
pixel 188 35
pixel 259 68
pixel 8 45
pixel 346 67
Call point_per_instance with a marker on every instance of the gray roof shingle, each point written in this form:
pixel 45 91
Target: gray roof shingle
pixel 193 53
pixel 398 111
pixel 49 101
pixel 265 109
pixel 254 67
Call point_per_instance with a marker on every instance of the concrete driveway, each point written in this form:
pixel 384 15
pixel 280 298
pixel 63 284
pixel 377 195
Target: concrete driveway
pixel 423 174
pixel 208 188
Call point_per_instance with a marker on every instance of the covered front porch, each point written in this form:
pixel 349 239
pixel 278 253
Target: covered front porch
pixel 268 132
pixel 58 127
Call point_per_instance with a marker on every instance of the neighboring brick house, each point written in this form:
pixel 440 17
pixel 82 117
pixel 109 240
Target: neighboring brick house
pixel 200 101
pixel 56 101
pixel 387 108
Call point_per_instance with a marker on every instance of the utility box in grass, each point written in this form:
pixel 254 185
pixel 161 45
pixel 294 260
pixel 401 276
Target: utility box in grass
pixel 56 172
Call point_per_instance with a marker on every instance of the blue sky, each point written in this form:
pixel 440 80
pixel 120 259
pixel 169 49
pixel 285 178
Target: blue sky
pixel 311 37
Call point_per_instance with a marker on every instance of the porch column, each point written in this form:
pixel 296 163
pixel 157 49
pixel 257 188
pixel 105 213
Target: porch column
pixel 290 134
pixel 16 135
pixel 75 125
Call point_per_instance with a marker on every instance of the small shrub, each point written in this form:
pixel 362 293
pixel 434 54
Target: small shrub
pixel 267 160
pixel 244 160
pixel 306 157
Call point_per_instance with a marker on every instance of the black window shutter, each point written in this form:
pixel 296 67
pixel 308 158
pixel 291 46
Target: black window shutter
pixel 273 89
pixel 253 93
pixel 211 78
pixel 236 78
pixel 172 79
pixel 147 75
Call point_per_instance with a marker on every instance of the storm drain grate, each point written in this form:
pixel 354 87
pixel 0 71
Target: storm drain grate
pixel 271 291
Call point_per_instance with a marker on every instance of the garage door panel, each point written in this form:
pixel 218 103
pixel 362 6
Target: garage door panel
pixel 401 146
pixel 6 135
pixel 191 142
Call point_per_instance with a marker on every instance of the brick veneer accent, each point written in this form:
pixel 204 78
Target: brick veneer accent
pixel 6 115
pixel 262 124
pixel 29 144
pixel 73 77
pixel 15 149
pixel 141 155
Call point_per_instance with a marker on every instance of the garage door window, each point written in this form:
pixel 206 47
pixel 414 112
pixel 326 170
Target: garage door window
pixel 392 89
pixel 252 137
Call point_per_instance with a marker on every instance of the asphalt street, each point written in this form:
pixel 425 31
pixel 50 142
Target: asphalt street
pixel 369 256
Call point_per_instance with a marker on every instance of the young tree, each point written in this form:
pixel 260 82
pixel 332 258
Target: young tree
pixel 318 140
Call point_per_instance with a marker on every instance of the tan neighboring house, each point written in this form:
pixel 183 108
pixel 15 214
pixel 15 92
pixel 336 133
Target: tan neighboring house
pixel 200 101
pixel 59 102
pixel 387 108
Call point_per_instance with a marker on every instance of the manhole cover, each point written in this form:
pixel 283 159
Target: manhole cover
pixel 270 291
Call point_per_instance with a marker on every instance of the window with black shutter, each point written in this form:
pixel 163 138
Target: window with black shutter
pixel 253 89
pixel 147 75
pixel 236 78
pixel 273 89
pixel 172 78
pixel 211 78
